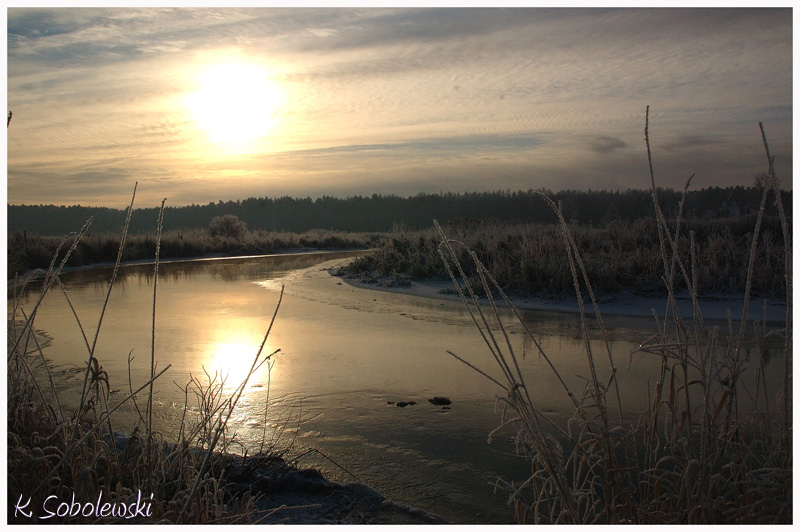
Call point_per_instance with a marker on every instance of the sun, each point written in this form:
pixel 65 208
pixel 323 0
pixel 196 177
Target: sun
pixel 235 103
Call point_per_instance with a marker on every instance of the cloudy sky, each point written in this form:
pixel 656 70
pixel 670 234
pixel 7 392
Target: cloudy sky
pixel 203 104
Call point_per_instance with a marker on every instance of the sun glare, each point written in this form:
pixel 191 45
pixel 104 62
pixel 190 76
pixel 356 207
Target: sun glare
pixel 235 103
pixel 231 361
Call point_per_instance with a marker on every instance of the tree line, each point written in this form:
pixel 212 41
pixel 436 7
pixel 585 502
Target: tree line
pixel 383 212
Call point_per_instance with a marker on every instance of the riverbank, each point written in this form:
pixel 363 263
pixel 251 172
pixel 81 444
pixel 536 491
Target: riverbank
pixel 258 489
pixel 620 303
pixel 628 303
pixel 618 258
pixel 289 495
pixel 39 273
pixel 712 307
pixel 27 251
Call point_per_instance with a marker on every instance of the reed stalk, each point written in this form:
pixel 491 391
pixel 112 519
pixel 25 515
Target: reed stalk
pixel 787 267
pixel 91 361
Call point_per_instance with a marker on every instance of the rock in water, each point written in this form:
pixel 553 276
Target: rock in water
pixel 440 401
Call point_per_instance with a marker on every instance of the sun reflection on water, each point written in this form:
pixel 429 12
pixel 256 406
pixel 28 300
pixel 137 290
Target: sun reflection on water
pixel 231 362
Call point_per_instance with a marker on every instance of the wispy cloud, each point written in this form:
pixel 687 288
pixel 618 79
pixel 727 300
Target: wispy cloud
pixel 605 144
pixel 395 100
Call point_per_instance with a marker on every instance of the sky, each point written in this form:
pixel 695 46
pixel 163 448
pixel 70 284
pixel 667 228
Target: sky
pixel 208 104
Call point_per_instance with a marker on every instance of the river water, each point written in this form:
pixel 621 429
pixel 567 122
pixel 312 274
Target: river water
pixel 347 357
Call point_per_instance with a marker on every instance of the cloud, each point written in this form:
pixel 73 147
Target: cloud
pixel 389 98
pixel 605 144
pixel 459 144
pixel 693 142
pixel 393 27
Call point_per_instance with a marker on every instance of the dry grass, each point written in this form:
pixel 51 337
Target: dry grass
pixel 60 453
pixel 707 449
pixel 527 259
pixel 29 251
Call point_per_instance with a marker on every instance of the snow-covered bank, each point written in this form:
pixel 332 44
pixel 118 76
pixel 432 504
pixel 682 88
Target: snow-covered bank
pixel 623 304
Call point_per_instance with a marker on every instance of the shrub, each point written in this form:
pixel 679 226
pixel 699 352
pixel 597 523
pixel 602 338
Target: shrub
pixel 228 226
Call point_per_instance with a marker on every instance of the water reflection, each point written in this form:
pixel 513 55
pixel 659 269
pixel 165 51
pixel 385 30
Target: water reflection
pixel 229 361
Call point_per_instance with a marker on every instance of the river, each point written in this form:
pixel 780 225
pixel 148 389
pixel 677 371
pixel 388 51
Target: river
pixel 347 357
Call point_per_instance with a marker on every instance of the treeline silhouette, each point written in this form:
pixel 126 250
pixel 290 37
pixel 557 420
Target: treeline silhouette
pixel 383 212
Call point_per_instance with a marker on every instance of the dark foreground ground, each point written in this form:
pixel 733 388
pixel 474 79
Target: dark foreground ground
pixel 303 496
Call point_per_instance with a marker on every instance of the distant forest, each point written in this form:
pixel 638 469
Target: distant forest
pixel 382 213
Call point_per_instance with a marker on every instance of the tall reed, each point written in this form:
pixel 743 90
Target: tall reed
pixel 698 453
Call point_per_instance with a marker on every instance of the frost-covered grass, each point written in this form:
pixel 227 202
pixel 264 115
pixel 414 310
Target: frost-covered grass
pixel 527 259
pixel 29 251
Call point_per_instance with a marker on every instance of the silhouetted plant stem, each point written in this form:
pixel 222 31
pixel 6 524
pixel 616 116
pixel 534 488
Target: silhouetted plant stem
pixel 787 258
pixel 153 342
pixel 108 295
